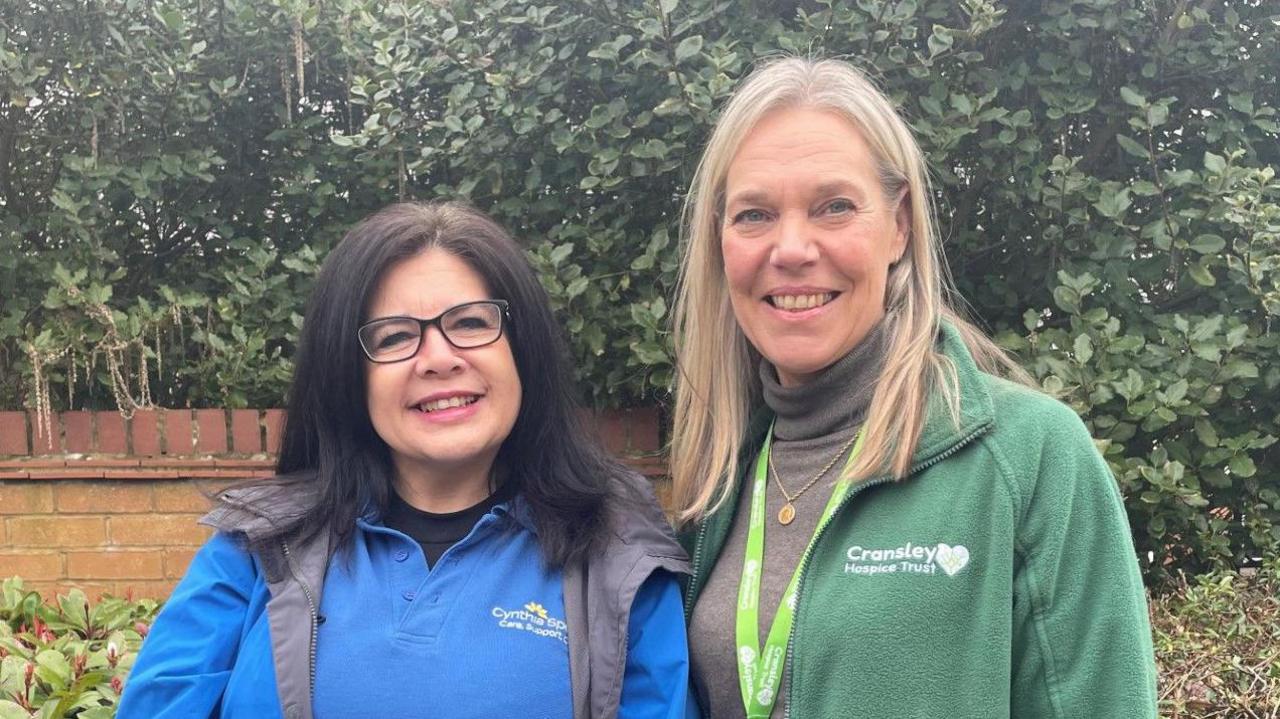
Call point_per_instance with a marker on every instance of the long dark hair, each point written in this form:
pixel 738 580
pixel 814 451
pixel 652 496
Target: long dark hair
pixel 329 445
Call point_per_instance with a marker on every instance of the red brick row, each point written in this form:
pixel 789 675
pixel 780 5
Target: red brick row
pixel 150 433
pixel 184 433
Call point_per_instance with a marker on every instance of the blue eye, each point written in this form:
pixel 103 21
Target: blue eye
pixel 750 216
pixel 839 206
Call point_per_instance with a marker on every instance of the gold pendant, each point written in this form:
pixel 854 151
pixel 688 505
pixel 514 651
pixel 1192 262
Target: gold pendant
pixel 787 513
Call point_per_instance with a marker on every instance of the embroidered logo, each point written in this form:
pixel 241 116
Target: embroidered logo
pixel 908 559
pixel 532 618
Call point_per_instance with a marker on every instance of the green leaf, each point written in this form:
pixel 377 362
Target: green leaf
pixel 576 287
pixel 1083 347
pixel 53 667
pixel 1214 163
pixel 940 40
pixel 688 47
pixel 561 253
pixel 1206 328
pixel 668 6
pixel 1031 320
pixel 1157 114
pixel 669 106
pixel 1113 204
pixel 1207 435
pixel 1201 274
pixel 1132 147
pixel 1208 244
pixel 1241 465
pixel 1132 96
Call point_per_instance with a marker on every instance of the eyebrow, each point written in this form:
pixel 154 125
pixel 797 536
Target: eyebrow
pixel 831 187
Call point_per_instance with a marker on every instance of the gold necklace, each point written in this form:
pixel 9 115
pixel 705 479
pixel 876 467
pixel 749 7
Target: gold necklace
pixel 787 514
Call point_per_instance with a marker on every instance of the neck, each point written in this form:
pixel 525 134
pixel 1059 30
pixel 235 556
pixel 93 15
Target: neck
pixel 833 399
pixel 443 491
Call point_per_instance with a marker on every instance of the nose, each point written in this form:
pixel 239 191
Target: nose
pixel 436 356
pixel 793 247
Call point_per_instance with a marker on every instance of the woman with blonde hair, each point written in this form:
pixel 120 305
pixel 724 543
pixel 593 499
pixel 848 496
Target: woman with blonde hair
pixel 881 523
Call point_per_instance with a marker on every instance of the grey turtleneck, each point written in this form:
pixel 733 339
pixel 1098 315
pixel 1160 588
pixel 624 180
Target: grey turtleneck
pixel 813 421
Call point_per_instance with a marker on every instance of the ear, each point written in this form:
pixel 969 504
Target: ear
pixel 902 216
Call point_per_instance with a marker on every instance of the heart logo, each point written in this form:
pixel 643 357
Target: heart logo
pixel 952 559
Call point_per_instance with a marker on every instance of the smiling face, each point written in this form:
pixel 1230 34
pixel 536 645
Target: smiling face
pixel 444 412
pixel 807 239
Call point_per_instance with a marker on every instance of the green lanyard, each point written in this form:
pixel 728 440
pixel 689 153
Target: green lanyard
pixel 760 671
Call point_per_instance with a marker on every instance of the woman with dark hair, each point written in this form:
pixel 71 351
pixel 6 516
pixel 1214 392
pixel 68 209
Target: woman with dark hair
pixel 443 538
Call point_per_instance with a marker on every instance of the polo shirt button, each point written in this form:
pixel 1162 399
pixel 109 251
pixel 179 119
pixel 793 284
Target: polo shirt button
pixel 408 595
pixel 435 598
pixel 401 555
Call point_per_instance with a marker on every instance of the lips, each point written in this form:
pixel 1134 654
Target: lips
pixel 799 302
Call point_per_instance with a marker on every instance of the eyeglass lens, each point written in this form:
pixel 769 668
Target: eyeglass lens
pixel 470 325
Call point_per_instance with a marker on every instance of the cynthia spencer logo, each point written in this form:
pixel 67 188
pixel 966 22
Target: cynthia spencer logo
pixel 532 618
pixel 907 559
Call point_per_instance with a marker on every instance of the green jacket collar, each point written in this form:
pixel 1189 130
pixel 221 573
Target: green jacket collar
pixel 940 437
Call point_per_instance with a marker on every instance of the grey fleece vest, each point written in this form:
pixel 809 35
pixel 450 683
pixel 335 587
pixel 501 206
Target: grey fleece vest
pixel 597 593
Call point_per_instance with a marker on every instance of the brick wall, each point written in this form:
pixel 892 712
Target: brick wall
pixel 110 505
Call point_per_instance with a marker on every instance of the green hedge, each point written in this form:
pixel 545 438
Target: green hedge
pixel 172 172
pixel 1217 640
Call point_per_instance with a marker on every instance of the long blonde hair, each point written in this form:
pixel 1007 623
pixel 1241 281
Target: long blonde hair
pixel 716 383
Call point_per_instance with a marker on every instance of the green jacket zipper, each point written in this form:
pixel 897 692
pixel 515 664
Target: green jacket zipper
pixel 694 564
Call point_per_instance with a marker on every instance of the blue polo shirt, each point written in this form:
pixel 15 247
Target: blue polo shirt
pixel 483 631
pixel 480 634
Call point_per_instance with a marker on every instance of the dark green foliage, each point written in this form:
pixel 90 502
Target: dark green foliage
pixel 1105 180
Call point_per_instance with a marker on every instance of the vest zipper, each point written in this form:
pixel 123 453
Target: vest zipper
pixel 804 560
pixel 315 612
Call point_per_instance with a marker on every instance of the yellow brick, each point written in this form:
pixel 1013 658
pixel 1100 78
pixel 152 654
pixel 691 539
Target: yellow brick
pixel 114 564
pixel 57 531
pixel 158 530
pixel 26 497
pixel 102 497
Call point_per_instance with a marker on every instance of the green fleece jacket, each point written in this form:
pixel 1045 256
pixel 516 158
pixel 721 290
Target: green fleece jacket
pixel 997 580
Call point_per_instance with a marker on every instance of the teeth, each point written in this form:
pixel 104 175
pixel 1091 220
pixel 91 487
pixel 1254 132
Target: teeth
pixel 801 302
pixel 446 403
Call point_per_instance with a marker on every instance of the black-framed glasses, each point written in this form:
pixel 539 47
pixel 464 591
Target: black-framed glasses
pixel 465 326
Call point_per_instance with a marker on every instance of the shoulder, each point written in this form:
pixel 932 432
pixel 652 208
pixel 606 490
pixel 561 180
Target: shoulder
pixel 1046 452
pixel 636 520
pixel 1028 420
pixel 262 507
pixel 223 565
